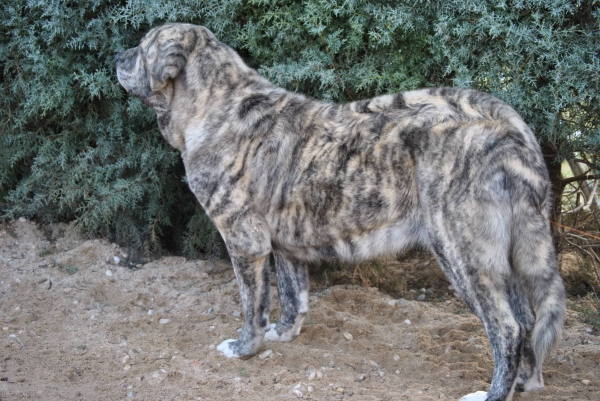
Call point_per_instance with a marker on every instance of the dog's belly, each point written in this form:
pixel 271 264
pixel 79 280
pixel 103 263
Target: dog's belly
pixel 332 243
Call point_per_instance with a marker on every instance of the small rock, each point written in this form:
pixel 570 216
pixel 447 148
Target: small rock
pixel 429 292
pixel 130 394
pixel 164 321
pixel 421 297
pixel 43 263
pixel 109 273
pixel 319 375
pixel 393 302
pixel 310 389
pixel 451 287
pixel 586 382
pixel 312 376
pixel 360 378
pixel 22 219
pixel 150 311
pixel 237 313
pixel 560 358
pixel 397 372
pixel 117 260
pixel 396 357
pixel 340 390
pixel 126 367
pixel 423 290
pixel 209 311
pixel 4 328
pixel 407 321
pixel 297 393
pixel 348 336
pixel 266 354
pixel 125 359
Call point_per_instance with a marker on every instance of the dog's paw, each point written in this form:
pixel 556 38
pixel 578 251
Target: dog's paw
pixel 227 348
pixel 284 337
pixel 272 335
pixel 478 396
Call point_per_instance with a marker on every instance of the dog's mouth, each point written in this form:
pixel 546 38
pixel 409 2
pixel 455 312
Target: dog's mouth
pixel 126 63
pixel 135 80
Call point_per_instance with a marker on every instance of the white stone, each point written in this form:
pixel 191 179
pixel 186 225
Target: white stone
pixel 266 354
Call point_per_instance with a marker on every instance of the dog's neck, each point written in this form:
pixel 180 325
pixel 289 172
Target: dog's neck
pixel 208 89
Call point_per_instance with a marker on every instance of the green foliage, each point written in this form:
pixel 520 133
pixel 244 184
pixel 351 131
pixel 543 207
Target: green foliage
pixel 589 311
pixel 542 57
pixel 75 147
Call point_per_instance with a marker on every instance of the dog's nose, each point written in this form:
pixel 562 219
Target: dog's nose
pixel 118 56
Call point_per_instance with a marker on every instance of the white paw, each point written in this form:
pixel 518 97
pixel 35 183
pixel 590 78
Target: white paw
pixel 478 396
pixel 285 337
pixel 226 350
pixel 272 335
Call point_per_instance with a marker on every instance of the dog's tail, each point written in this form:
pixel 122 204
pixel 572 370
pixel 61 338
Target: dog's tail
pixel 533 255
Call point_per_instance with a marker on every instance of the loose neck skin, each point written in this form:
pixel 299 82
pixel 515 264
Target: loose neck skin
pixel 204 90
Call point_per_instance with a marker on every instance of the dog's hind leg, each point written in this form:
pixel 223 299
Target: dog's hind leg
pixel 485 291
pixel 523 311
pixel 292 284
pixel 471 241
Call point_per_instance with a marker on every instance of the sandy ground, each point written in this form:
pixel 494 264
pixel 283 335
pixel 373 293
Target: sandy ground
pixel 77 324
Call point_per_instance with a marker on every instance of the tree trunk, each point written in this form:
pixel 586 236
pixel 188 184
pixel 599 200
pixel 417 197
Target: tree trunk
pixel 554 169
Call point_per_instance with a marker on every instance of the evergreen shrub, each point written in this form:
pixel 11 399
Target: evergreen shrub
pixel 74 147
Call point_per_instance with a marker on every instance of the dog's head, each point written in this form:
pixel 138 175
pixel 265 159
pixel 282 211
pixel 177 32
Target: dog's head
pixel 146 71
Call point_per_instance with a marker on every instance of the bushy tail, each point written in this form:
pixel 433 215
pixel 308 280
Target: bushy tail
pixel 534 257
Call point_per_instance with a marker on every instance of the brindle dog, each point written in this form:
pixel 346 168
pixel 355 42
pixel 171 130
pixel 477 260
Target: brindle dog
pixel 454 170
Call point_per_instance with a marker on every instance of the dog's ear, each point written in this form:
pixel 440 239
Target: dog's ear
pixel 168 54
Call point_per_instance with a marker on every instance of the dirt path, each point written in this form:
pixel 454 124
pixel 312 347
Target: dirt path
pixel 76 325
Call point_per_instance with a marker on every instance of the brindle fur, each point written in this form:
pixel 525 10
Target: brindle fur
pixel 454 170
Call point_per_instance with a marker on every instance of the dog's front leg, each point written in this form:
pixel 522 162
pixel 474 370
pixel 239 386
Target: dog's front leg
pixel 253 282
pixel 249 247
